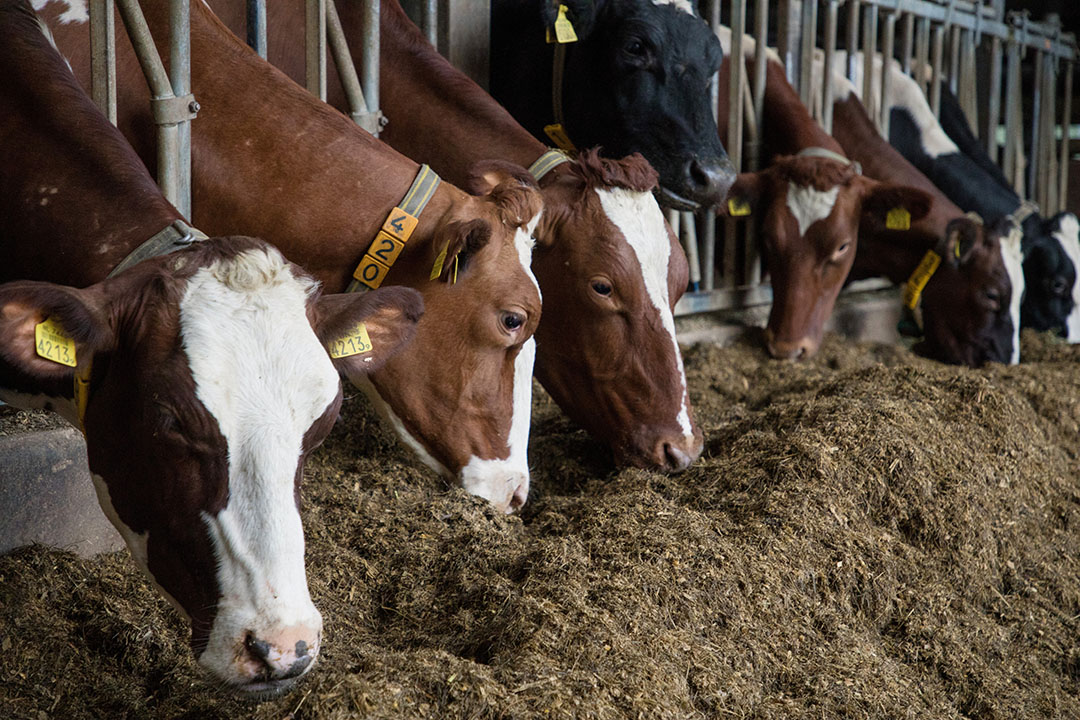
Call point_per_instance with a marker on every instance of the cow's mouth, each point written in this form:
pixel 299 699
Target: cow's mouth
pixel 670 199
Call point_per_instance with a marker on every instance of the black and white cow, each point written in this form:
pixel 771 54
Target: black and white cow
pixel 636 80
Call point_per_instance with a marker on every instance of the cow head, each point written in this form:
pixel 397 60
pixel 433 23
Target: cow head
pixel 611 271
pixel 1051 258
pixel 810 210
pixel 638 81
pixel 460 396
pixel 209 383
pixel 971 305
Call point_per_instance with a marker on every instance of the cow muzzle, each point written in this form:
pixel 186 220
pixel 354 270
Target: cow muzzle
pixel 798 349
pixel 494 480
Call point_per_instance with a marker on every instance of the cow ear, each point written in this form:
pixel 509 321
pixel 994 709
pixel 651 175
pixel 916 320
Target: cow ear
pixel 72 327
pixel 744 197
pixel 894 206
pixel 961 239
pixel 456 242
pixel 486 175
pixel 388 317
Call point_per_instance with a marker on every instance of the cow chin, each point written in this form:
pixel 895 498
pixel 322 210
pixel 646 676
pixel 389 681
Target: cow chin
pixel 498 482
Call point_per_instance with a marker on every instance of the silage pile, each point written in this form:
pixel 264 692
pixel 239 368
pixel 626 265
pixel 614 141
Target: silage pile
pixel 868 535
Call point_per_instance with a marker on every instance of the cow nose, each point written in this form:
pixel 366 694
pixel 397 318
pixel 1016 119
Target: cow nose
pixel 676 453
pixel 708 180
pixel 790 349
pixel 518 495
pixel 277 656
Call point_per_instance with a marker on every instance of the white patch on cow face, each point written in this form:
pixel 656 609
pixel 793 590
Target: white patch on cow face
pixel 1068 234
pixel 525 241
pixel 638 218
pixel 1013 259
pixel 263 375
pixel 76 11
pixel 500 480
pixel 808 204
pixel 683 5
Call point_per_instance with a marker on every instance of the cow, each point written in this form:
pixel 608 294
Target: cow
pixel 271 160
pixel 970 305
pixel 636 80
pixel 606 350
pixel 201 378
pixel 1051 245
pixel 812 203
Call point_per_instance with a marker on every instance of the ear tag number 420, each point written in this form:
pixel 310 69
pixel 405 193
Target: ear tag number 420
pixel 52 344
pixel 354 342
pixel 564 29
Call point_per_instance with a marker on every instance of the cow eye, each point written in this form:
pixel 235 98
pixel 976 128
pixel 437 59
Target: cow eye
pixel 636 48
pixel 994 297
pixel 1058 286
pixel 601 288
pixel 511 321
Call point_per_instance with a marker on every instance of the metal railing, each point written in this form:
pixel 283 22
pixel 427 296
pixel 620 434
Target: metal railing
pixel 935 41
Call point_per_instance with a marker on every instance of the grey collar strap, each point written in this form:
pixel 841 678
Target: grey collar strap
pixel 1026 209
pixel 175 236
pixel 548 162
pixel 829 155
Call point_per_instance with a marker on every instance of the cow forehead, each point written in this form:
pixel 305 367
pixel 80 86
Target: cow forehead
pixel 808 205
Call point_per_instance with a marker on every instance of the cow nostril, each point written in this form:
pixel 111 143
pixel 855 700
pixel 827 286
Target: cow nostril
pixel 517 500
pixel 259 649
pixel 301 649
pixel 676 459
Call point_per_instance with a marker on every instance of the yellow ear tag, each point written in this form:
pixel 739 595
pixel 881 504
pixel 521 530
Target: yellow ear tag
pixel 436 269
pixel 354 342
pixel 558 136
pixel 52 344
pixel 564 29
pixel 898 219
pixel 738 207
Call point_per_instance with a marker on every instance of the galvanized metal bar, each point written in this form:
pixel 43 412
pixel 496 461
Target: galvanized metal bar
pixel 737 22
pixel 369 58
pixel 688 233
pixel 954 59
pixel 831 17
pixel 993 107
pixel 708 256
pixel 887 45
pixel 788 34
pixel 922 52
pixel 1032 176
pixel 1013 129
pixel 160 89
pixel 806 49
pixel 907 49
pixel 1066 121
pixel 965 84
pixel 343 61
pixel 761 39
pixel 869 32
pixel 430 23
pixel 256 26
pixel 852 41
pixel 1048 166
pixel 315 48
pixel 936 61
pixel 180 77
pixel 103 57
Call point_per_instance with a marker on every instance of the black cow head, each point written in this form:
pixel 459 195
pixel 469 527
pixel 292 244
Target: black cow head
pixel 1050 247
pixel 637 80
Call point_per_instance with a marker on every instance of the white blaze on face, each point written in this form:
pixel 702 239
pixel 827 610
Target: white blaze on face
pixel 263 375
pixel 76 11
pixel 808 204
pixel 638 218
pixel 1068 234
pixel 683 5
pixel 1013 258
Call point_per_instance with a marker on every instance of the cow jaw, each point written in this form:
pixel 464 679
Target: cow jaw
pixel 236 318
pixel 1067 234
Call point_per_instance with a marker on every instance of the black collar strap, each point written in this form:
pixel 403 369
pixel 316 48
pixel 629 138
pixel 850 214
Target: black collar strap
pixel 562 34
pixel 830 155
pixel 548 162
pixel 395 232
pixel 175 236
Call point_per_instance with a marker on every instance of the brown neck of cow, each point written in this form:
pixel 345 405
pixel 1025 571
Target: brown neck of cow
pixel 66 175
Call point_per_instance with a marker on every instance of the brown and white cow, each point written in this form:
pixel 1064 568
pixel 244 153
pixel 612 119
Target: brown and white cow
pixel 608 266
pixel 271 160
pixel 811 204
pixel 205 374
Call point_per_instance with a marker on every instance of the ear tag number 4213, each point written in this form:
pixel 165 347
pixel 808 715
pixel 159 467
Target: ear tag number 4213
pixel 52 344
pixel 354 342
pixel 564 29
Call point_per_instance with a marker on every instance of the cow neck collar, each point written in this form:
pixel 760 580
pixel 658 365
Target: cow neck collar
pixel 548 162
pixel 395 232
pixel 557 130
pixel 830 155
pixel 174 236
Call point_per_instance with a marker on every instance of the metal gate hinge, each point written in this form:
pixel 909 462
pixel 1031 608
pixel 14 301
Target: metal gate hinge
pixel 174 110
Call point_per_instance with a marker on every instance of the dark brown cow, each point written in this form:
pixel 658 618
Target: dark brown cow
pixel 203 374
pixel 270 159
pixel 812 209
pixel 605 345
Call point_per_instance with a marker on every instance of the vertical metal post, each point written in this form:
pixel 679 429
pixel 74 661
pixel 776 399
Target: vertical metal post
pixel 908 47
pixel 708 262
pixel 688 234
pixel 830 60
pixel 788 34
pixel 256 26
pixel 431 22
pixel 103 57
pixel 936 61
pixel 369 58
pixel 735 125
pixel 1036 128
pixel 315 45
pixel 993 109
pixel 922 52
pixel 761 32
pixel 954 60
pixel 852 43
pixel 180 77
pixel 806 49
pixel 887 42
pixel 350 83
pixel 870 30
pixel 1066 120
pixel 1048 165
pixel 1013 122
